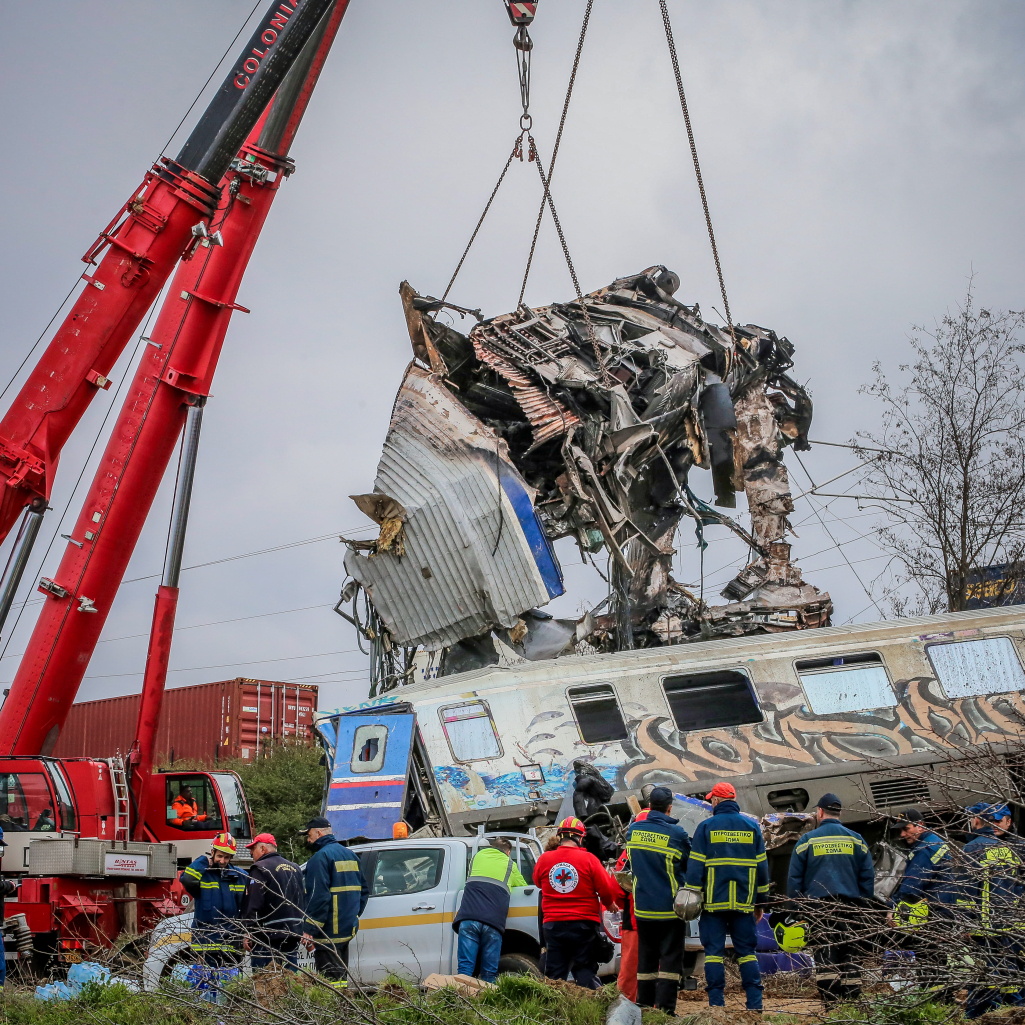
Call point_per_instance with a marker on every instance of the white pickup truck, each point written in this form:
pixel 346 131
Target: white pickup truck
pixel 406 930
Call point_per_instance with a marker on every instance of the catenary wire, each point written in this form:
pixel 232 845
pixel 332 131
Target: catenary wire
pixel 228 665
pixel 242 29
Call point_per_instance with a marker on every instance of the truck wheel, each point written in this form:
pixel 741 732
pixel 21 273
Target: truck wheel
pixel 518 964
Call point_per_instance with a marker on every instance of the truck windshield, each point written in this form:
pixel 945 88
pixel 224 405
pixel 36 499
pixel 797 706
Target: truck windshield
pixel 65 805
pixel 192 803
pixel 26 804
pixel 235 810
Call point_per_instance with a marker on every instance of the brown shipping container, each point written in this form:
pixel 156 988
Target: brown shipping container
pixel 211 722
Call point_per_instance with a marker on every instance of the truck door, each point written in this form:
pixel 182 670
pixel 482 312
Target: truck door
pixel 406 929
pixel 367 795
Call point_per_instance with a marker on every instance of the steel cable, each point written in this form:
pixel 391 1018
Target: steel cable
pixel 558 142
pixel 697 165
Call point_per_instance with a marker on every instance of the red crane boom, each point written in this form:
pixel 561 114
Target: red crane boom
pixel 143 243
pixel 174 375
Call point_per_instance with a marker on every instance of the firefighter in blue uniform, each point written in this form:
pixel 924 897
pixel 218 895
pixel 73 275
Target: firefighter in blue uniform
pixel 927 887
pixel 728 867
pixel 336 895
pixel 924 899
pixel 658 849
pixel 218 889
pixel 989 892
pixel 832 866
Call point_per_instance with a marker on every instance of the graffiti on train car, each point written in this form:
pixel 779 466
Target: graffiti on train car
pixel 791 737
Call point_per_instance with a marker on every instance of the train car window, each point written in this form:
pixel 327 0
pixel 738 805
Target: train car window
pixel 368 747
pixel 470 731
pixel 845 683
pixel 969 668
pixel 599 717
pixel 710 701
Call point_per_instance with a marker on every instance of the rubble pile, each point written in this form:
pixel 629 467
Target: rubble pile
pixel 580 419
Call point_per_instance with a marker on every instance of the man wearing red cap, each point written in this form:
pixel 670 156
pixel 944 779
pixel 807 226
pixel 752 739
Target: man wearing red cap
pixel 729 868
pixel 274 905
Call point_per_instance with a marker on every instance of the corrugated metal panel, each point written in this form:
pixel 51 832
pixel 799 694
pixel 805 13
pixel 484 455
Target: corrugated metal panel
pixel 211 721
pixel 476 557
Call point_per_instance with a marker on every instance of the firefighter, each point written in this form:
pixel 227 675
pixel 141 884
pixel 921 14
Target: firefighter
pixel 184 810
pixel 831 865
pixel 627 979
pixel 336 895
pixel 574 885
pixel 989 891
pixel 274 904
pixel 927 885
pixel 728 867
pixel 658 849
pixel 218 889
pixel 925 893
pixel 480 920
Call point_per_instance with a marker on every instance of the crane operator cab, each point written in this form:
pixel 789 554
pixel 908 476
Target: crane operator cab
pixel 35 804
pixel 194 807
pixel 88 798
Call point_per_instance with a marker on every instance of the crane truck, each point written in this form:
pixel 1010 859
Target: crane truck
pixel 96 843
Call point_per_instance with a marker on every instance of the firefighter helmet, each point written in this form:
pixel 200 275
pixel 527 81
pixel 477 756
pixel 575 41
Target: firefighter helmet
pixel 791 934
pixel 687 904
pixel 225 843
pixel 571 826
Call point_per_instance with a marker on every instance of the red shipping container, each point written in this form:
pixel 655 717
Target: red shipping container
pixel 209 722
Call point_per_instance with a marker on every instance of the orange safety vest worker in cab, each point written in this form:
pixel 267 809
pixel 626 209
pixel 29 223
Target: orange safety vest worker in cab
pixel 184 809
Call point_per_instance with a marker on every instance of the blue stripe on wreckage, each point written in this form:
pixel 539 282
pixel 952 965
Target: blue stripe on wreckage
pixel 540 547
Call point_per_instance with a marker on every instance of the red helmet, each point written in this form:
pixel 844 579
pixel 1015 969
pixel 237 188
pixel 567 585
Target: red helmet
pixel 571 827
pixel 225 843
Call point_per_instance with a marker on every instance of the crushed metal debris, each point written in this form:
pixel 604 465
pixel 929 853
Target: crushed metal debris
pixel 580 419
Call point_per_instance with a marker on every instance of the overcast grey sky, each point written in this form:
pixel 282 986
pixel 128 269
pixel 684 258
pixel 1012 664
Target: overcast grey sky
pixel 860 160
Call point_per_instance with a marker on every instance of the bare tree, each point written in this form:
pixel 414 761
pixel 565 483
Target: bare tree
pixel 952 473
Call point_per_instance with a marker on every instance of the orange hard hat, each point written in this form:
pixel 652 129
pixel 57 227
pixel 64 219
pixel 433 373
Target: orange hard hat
pixel 225 843
pixel 572 826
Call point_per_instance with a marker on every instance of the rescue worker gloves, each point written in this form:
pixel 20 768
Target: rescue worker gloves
pixel 907 915
pixel 225 843
pixel 687 904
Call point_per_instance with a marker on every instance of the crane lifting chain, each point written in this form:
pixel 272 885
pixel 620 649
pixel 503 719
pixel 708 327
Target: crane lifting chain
pixel 522 15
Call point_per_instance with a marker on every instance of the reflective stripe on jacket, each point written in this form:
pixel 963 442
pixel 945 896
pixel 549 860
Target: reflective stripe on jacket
pixel 831 861
pixel 336 892
pixel 728 865
pixel 658 849
pixel 218 894
pixel 989 882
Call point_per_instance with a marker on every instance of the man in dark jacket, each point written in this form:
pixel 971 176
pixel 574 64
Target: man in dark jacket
pixel 729 868
pixel 274 904
pixel 480 920
pixel 989 893
pixel 832 865
pixel 217 889
pixel 658 849
pixel 336 895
